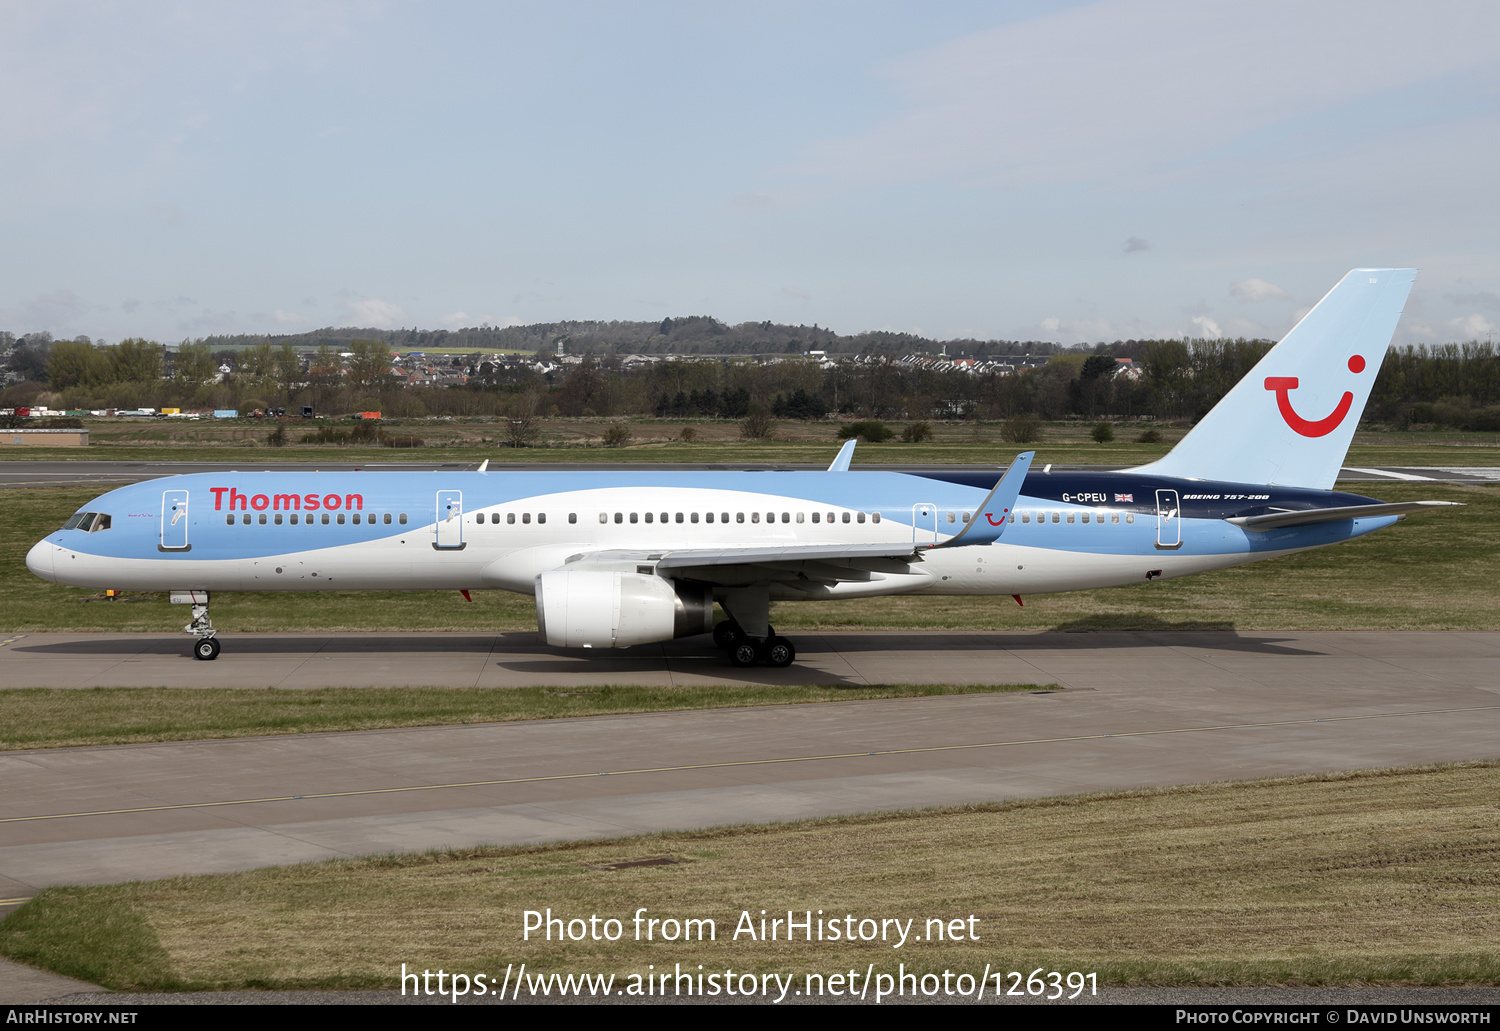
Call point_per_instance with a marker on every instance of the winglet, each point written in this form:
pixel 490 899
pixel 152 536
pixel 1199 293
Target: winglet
pixel 845 456
pixel 483 466
pixel 991 519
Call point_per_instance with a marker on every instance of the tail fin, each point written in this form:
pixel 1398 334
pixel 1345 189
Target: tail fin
pixel 1289 422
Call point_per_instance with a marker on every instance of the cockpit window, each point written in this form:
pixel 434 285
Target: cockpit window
pixel 88 522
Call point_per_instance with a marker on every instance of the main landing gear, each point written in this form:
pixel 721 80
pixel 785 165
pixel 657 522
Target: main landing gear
pixel 749 651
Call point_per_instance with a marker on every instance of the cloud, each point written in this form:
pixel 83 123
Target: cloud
pixel 1472 327
pixel 1206 326
pixel 796 292
pixel 455 321
pixel 129 305
pixel 1257 290
pixel 54 312
pixel 287 318
pixel 1078 330
pixel 372 311
pixel 1135 245
pixel 1097 90
pixel 1480 298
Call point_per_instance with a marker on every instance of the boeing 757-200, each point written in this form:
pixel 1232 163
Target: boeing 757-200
pixel 616 559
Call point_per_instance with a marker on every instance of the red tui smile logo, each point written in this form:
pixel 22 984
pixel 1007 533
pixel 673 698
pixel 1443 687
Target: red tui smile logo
pixel 1309 427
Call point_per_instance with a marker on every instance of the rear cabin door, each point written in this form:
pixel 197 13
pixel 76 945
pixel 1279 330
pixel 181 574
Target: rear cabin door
pixel 1168 521
pixel 174 520
pixel 450 519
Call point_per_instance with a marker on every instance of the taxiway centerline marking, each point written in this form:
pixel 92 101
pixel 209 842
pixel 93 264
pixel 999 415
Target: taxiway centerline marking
pixel 743 762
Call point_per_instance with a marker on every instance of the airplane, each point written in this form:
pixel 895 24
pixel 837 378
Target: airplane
pixel 616 559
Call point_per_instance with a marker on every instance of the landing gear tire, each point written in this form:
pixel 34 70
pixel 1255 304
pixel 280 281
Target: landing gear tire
pixel 206 648
pixel 745 652
pixel 780 653
pixel 726 633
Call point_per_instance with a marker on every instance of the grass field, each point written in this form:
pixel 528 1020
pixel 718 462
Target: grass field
pixel 1377 877
pixel 1430 572
pixel 717 441
pixel 47 718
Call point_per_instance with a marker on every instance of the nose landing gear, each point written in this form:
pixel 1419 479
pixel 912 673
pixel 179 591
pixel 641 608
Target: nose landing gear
pixel 206 646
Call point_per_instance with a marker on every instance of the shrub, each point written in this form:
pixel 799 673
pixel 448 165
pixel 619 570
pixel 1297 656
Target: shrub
pixel 1102 433
pixel 277 437
pixel 872 431
pixel 1151 436
pixel 618 435
pixel 917 432
pixel 1022 428
pixel 757 425
pixel 688 434
pixel 393 441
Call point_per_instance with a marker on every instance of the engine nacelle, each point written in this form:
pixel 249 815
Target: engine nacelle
pixel 597 609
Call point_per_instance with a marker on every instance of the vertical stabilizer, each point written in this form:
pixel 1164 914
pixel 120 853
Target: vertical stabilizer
pixel 1289 422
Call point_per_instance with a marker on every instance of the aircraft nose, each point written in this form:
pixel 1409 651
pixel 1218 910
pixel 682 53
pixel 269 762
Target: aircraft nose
pixel 39 559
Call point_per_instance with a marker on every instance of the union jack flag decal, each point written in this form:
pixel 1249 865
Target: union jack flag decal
pixel 1125 497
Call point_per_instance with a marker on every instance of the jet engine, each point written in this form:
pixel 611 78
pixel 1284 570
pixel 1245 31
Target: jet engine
pixel 599 609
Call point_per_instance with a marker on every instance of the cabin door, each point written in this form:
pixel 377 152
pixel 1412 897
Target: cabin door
pixel 1168 521
pixel 174 520
pixel 924 525
pixel 450 519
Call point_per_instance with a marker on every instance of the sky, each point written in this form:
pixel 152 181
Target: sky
pixel 1070 172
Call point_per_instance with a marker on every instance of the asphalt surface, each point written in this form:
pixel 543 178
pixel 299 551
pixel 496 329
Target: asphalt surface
pixel 1130 709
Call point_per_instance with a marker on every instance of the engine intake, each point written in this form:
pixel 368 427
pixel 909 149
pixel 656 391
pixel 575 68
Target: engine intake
pixel 597 609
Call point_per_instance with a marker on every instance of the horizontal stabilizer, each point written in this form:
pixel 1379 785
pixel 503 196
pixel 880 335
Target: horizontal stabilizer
pixel 1277 520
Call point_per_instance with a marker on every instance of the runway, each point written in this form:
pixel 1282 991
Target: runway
pixel 1134 709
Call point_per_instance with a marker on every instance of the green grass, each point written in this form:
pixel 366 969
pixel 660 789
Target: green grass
pixel 1373 877
pixel 1430 572
pixel 47 718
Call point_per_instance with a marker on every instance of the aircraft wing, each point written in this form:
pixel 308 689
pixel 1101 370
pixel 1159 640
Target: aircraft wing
pixel 807 563
pixel 1277 520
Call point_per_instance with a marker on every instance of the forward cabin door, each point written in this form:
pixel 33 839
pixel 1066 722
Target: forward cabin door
pixel 174 520
pixel 450 520
pixel 1168 521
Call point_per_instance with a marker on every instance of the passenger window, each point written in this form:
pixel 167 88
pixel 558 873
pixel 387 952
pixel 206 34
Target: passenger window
pixel 723 517
pixel 800 517
pixel 786 517
pixel 665 519
pixel 860 517
pixel 229 519
pixel 572 517
pixel 739 517
pixel 403 519
pixel 694 517
pixel 679 517
pixel 966 517
pixel 263 519
pixel 755 517
pixel 1070 517
pixel 1114 517
pixel 619 517
pixel 1085 517
pixel 341 518
pixel 817 516
pixel 831 517
pixel 635 517
pixel 526 518
pixel 1057 517
pixel 1130 517
pixel 648 517
pixel 541 517
pixel 293 519
pixel 875 517
pixel 952 517
pixel 1025 517
pixel 388 518
pixel 604 517
pixel 278 518
pixel 245 519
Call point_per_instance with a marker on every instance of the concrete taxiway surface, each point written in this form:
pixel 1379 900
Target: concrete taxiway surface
pixel 1138 709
